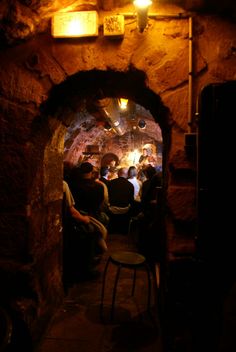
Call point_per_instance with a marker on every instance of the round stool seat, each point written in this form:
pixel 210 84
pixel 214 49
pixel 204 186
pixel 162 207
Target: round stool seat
pixel 127 258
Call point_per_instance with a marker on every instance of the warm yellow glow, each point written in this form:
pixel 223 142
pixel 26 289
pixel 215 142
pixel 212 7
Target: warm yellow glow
pixel 74 27
pixel 114 25
pixel 142 13
pixel 75 24
pixel 123 103
pixel 133 157
pixel 142 3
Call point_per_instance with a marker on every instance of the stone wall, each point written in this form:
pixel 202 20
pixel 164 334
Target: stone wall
pixel 44 70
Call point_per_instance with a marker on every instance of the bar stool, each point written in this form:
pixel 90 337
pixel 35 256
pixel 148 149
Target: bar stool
pixel 125 259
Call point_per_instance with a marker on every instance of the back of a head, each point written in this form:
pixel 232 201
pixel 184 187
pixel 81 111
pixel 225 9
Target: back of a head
pixel 104 171
pixel 132 172
pixel 149 171
pixel 85 168
pixel 123 172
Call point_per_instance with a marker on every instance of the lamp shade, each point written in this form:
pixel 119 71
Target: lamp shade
pixel 142 7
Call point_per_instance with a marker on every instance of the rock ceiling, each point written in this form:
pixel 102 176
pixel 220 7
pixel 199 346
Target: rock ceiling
pixel 22 19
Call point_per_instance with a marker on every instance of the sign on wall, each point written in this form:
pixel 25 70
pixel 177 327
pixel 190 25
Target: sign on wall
pixel 75 24
pixel 114 25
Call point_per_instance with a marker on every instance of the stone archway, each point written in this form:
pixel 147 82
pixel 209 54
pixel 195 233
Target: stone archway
pixel 39 133
pixel 142 67
pixel 40 145
pixel 68 98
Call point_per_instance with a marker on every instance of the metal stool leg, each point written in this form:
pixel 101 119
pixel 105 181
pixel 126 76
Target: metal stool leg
pixel 103 286
pixel 134 281
pixel 114 290
pixel 149 286
pixel 129 232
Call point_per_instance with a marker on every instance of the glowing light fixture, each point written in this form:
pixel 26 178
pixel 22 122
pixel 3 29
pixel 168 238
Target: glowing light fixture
pixel 75 24
pixel 142 124
pixel 142 7
pixel 123 103
pixel 133 157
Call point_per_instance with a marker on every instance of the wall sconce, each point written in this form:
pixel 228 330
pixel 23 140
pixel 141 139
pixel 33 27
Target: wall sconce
pixel 142 7
pixel 142 124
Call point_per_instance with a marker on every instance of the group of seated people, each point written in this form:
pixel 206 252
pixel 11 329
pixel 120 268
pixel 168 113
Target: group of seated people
pixel 95 206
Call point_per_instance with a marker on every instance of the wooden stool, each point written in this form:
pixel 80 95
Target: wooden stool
pixel 125 259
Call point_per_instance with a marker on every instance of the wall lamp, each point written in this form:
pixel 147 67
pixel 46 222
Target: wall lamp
pixel 142 124
pixel 142 7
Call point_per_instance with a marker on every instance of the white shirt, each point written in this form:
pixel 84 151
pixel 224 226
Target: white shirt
pixel 137 184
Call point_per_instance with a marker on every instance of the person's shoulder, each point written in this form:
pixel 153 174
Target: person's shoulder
pixel 99 184
pixel 65 186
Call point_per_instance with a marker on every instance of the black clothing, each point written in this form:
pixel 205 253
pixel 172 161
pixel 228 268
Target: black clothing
pixel 121 192
pixel 104 180
pixel 88 196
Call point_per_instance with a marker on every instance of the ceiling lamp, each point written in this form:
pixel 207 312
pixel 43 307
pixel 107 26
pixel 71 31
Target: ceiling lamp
pixel 142 7
pixel 142 124
pixel 123 103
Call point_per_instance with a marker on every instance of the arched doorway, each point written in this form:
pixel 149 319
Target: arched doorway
pixel 67 101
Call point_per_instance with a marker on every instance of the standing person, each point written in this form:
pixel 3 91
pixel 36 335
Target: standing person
pixel 147 158
pixel 144 157
pixel 112 168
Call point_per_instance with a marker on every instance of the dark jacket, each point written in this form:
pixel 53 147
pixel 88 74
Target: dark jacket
pixel 121 192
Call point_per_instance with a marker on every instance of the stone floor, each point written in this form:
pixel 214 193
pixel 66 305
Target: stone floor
pixel 77 325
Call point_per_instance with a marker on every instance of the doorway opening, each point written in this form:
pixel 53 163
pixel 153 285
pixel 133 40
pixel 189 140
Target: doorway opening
pixel 73 104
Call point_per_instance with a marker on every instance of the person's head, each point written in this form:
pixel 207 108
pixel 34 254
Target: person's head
pixel 86 169
pixel 123 172
pixel 132 172
pixel 112 163
pixel 149 171
pixel 104 170
pixel 145 151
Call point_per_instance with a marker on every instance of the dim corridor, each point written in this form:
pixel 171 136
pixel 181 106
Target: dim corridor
pixel 77 326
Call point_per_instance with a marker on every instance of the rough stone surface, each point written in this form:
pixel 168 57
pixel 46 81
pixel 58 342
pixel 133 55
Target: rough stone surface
pixel 182 203
pixel 46 70
pixel 19 85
